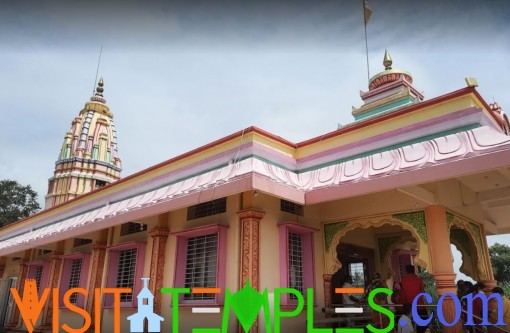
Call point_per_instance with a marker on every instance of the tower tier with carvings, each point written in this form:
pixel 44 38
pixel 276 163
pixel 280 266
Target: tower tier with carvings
pixel 88 158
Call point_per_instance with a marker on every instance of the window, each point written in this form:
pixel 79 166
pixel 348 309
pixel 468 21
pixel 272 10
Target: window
pixel 201 259
pixel 100 183
pixel 38 271
pixel 295 262
pixel 132 228
pixel 208 208
pixel 201 262
pixel 357 271
pixel 291 207
pixel 81 241
pixel 74 275
pixel 125 270
pixel 296 259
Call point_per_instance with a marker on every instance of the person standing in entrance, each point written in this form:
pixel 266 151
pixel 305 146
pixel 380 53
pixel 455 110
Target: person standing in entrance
pixel 412 286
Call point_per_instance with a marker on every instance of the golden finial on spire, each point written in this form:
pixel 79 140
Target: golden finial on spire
pixel 100 89
pixel 387 60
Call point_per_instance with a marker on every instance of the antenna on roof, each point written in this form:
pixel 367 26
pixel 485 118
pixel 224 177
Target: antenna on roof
pixel 97 70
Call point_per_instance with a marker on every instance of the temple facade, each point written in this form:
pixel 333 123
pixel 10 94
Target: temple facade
pixel 408 178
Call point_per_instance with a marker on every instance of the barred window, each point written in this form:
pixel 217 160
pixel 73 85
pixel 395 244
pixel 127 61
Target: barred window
pixel 291 207
pixel 74 275
pixel 208 208
pixel 38 276
pixel 132 228
pixel 126 273
pixel 295 262
pixel 296 259
pixel 357 272
pixel 201 262
pixel 74 278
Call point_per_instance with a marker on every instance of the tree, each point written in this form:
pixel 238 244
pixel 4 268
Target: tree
pixel 16 201
pixel 500 259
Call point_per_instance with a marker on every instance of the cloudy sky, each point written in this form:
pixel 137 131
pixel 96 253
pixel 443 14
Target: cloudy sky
pixel 181 74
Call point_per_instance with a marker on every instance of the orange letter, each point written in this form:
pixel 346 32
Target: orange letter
pixel 116 304
pixel 56 310
pixel 74 308
pixel 97 309
pixel 30 306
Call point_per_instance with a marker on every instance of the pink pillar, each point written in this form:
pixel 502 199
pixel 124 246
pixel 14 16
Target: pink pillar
pixel 442 263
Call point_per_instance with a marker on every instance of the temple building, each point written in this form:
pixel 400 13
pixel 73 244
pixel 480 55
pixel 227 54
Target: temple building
pixel 408 178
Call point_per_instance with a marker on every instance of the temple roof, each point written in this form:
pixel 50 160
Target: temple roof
pixel 456 134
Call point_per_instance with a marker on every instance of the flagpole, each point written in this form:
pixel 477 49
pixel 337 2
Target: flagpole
pixel 366 39
pixel 366 48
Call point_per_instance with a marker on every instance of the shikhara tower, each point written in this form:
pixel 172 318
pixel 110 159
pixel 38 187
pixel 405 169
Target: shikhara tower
pixel 88 158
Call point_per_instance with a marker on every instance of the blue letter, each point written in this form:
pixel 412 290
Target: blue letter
pixel 458 309
pixel 485 309
pixel 416 316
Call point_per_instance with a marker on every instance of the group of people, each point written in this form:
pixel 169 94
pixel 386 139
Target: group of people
pixel 404 293
pixel 465 288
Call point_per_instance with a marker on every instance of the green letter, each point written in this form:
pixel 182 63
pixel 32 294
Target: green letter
pixel 309 315
pixel 376 307
pixel 246 304
pixel 278 314
pixel 175 304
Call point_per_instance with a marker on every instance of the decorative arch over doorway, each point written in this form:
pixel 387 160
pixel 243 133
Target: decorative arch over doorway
pixel 414 222
pixel 466 235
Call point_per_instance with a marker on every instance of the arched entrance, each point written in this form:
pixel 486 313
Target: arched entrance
pixel 379 244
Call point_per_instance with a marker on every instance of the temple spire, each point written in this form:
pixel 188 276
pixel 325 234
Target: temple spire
pixel 387 62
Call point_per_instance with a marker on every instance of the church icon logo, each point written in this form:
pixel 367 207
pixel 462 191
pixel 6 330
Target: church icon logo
pixel 145 311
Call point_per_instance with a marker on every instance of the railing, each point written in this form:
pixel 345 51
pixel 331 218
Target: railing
pixel 361 319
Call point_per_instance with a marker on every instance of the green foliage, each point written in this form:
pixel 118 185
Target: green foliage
pixel 506 287
pixel 500 259
pixel 429 282
pixel 16 201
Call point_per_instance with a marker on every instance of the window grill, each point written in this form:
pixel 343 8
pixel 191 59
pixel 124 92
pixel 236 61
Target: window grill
pixel 201 262
pixel 126 273
pixel 74 278
pixel 357 272
pixel 132 228
pixel 38 276
pixel 295 262
pixel 208 208
pixel 291 207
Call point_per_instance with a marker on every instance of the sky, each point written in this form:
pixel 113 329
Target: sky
pixel 180 74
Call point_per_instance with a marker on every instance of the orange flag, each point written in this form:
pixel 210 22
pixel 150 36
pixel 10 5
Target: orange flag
pixel 367 11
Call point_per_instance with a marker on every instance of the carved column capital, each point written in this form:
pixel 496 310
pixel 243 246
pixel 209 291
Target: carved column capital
pixel 251 214
pixel 98 246
pixel 159 232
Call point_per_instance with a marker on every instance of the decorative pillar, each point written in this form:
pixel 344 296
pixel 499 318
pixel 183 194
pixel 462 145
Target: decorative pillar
pixel 250 249
pixel 53 278
pixel 96 278
pixel 327 289
pixel 22 276
pixel 490 282
pixel 442 264
pixel 159 237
